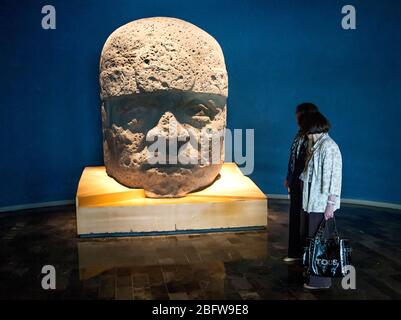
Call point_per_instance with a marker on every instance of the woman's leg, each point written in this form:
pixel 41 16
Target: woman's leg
pixel 295 243
pixel 314 220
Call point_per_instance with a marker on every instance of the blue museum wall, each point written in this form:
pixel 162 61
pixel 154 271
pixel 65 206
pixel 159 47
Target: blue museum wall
pixel 278 54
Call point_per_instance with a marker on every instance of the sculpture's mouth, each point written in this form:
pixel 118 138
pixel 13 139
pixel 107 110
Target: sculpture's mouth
pixel 168 167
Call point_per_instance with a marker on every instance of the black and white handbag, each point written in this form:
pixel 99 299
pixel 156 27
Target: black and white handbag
pixel 327 257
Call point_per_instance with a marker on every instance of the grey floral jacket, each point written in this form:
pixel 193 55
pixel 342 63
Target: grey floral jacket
pixel 324 173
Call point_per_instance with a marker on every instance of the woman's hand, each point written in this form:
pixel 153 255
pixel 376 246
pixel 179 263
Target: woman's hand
pixel 329 212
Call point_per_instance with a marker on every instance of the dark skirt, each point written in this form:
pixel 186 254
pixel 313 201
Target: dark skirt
pixel 297 229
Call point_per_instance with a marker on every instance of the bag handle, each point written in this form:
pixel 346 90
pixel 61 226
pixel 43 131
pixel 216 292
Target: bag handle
pixel 322 229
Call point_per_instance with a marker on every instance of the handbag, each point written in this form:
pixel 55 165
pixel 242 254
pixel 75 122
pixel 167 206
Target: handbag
pixel 327 257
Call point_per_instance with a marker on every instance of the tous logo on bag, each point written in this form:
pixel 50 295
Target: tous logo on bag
pixel 325 262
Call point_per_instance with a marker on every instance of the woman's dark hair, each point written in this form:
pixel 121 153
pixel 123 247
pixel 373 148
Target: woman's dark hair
pixel 306 107
pixel 303 111
pixel 314 123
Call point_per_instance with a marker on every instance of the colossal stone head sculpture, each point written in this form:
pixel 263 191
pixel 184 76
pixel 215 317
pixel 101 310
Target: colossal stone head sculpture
pixel 162 78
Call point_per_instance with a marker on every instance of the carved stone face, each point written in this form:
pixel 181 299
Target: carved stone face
pixel 163 79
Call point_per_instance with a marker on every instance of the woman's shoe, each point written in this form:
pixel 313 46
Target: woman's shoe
pixel 290 260
pixel 308 287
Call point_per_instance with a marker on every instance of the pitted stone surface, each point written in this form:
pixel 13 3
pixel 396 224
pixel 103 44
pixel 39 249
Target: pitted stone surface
pixel 162 78
pixel 160 54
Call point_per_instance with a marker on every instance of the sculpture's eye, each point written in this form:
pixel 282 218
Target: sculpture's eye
pixel 199 112
pixel 133 116
pixel 134 123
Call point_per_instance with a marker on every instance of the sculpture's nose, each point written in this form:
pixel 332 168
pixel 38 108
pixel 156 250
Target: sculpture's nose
pixel 170 129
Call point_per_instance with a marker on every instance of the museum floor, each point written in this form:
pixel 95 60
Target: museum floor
pixel 209 266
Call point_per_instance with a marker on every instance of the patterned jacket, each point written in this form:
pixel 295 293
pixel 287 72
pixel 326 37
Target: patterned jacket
pixel 324 173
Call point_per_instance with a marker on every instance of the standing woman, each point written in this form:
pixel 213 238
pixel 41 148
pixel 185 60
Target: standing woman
pixel 321 183
pixel 296 164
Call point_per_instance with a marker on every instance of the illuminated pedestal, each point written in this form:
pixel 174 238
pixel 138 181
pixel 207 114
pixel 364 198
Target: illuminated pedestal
pixel 106 208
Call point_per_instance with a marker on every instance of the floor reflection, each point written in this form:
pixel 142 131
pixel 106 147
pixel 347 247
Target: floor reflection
pixel 170 267
pixel 239 265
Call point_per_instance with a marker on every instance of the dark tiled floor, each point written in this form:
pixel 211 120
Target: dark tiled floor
pixel 210 266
